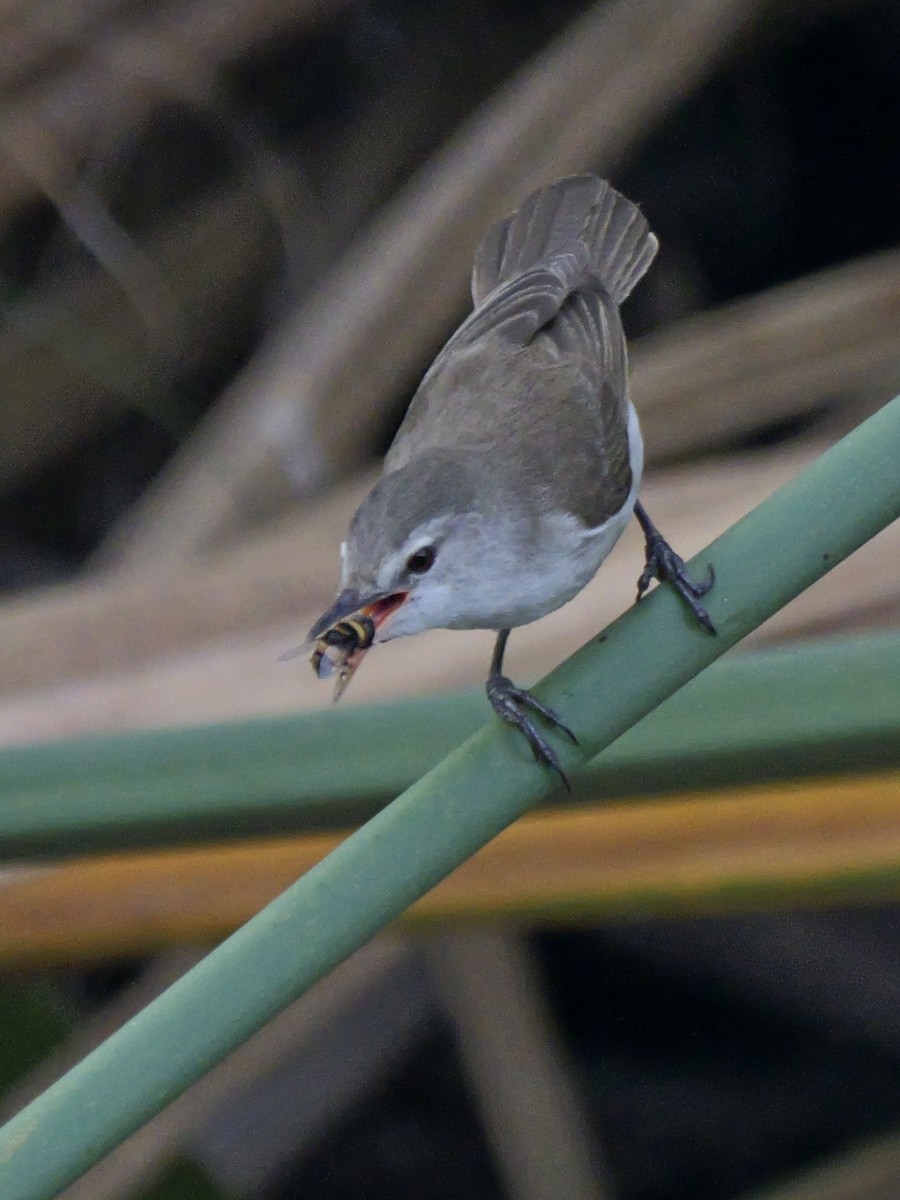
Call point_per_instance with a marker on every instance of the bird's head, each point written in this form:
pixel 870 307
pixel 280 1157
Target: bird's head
pixel 417 554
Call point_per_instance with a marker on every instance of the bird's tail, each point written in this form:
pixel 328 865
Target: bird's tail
pixel 581 212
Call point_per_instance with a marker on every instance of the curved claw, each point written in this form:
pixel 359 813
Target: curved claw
pixel 548 714
pixel 700 589
pixel 509 703
pixel 668 567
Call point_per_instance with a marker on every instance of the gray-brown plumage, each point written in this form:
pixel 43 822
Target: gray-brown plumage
pixel 518 463
pixel 545 339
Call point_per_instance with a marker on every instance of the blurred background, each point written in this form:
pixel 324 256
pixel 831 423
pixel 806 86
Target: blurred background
pixel 233 234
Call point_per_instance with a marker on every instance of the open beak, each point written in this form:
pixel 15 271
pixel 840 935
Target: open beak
pixel 343 634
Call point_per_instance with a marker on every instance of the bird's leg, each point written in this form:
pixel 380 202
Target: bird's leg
pixel 511 703
pixel 668 567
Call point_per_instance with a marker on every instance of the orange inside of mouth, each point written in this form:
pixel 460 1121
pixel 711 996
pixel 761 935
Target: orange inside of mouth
pixel 379 611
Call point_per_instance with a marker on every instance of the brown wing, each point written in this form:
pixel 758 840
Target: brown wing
pixel 544 348
pixel 580 465
pixel 572 372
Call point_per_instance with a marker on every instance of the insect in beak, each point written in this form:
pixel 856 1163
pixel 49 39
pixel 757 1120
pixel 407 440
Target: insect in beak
pixel 340 646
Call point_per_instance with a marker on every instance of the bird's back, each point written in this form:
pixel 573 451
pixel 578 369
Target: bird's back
pixel 543 350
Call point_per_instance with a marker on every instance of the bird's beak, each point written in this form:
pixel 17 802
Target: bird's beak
pixel 349 604
pixel 353 622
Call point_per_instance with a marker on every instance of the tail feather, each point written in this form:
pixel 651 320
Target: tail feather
pixel 581 210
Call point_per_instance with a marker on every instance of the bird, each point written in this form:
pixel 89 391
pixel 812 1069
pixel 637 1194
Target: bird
pixel 517 466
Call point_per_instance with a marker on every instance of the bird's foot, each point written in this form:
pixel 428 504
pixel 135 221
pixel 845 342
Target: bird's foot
pixel 512 703
pixel 668 567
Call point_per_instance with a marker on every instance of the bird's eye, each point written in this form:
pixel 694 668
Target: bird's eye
pixel 421 560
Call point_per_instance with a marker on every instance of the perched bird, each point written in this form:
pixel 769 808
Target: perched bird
pixel 517 466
